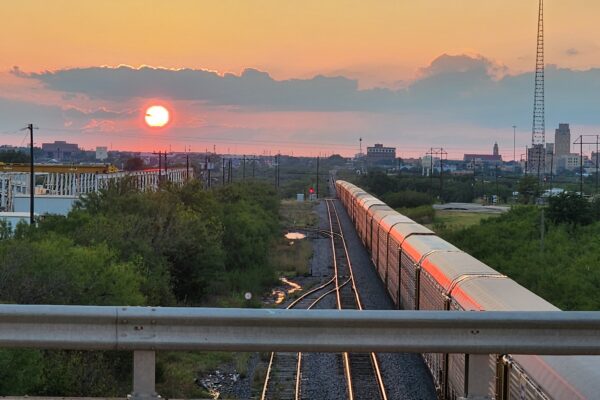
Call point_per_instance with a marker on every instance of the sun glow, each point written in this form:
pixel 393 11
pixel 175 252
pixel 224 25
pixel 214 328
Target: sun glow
pixel 157 116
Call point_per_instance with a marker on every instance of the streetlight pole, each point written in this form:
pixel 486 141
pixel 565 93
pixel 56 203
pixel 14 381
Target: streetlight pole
pixel 514 143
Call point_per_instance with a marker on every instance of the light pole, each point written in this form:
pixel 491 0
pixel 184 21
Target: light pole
pixel 514 143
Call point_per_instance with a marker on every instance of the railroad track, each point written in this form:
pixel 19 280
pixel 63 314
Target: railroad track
pixel 284 373
pixel 283 378
pixel 361 370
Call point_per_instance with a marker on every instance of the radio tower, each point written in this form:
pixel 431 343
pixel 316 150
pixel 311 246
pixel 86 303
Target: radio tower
pixel 537 152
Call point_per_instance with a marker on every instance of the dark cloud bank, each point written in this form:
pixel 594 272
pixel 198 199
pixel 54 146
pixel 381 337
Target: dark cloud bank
pixel 462 88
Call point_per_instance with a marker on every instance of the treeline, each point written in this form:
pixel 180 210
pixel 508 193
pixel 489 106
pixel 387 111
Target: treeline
pixel 563 268
pixel 452 188
pixel 178 246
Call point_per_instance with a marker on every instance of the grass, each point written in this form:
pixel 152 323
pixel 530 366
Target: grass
pixel 298 213
pixel 176 371
pixel 291 259
pixel 451 220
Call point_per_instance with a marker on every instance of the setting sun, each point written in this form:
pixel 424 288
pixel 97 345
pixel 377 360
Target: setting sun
pixel 157 116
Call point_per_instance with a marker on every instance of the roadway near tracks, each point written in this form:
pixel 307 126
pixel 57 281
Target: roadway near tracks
pixel 361 371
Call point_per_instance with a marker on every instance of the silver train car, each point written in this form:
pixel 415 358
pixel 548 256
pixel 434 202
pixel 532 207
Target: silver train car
pixel 423 272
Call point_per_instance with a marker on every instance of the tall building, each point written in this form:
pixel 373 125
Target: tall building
pixel 536 159
pixel 381 155
pixel 60 150
pixel 496 151
pixel 101 153
pixel 562 140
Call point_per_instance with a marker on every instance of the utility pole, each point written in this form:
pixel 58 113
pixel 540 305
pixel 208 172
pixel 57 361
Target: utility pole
pixel 31 177
pixel 497 196
pixel 30 128
pixel 160 169
pixel 244 169
pixel 581 166
pixel 187 167
pixel 317 177
pixel 230 172
pixel 441 153
pixel 166 171
pixel 514 143
pixel 207 162
pixel 223 175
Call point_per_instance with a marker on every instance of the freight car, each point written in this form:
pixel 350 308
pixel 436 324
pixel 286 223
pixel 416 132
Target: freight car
pixel 423 272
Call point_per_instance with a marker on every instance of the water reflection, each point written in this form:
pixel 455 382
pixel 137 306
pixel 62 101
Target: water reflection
pixel 295 235
pixel 279 294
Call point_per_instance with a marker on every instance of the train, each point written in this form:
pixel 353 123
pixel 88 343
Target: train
pixel 421 271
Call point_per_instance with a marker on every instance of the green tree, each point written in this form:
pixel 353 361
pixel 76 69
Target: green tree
pixel 570 208
pixel 134 164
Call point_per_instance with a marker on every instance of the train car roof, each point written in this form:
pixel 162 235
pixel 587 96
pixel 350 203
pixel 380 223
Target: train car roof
pixel 564 377
pixel 380 213
pixel 389 220
pixel 364 196
pixel 375 208
pixel 402 231
pixel 489 294
pixel 416 246
pixel 373 201
pixel 448 267
pixel 359 193
pixel 345 184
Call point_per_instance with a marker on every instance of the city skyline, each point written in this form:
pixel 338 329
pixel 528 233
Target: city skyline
pixel 284 77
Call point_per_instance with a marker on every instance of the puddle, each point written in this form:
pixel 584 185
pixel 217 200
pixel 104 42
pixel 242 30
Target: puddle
pixel 279 294
pixel 295 235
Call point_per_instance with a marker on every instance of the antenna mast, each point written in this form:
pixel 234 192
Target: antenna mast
pixel 538 132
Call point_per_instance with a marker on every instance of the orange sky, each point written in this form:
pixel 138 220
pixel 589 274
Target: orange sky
pixel 377 41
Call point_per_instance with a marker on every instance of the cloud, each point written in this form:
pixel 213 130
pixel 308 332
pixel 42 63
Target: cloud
pixel 98 114
pixel 572 51
pixel 253 88
pixel 475 65
pixel 453 91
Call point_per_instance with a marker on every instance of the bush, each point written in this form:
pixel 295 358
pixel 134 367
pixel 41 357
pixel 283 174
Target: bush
pixel 570 208
pixel 421 214
pixel 407 199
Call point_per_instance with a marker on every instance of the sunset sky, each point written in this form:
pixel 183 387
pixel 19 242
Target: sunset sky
pixel 309 77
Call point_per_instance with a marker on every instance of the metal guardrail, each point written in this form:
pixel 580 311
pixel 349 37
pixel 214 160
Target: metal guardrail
pixel 147 329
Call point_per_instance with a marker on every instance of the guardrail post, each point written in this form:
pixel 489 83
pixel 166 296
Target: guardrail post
pixel 144 364
pixel 479 377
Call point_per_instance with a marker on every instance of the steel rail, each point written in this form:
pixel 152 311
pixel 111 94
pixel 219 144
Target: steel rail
pixel 372 355
pixel 290 306
pixel 298 365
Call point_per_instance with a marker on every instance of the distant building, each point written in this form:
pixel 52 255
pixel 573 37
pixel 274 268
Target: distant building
pixel 562 140
pixel 569 162
pixel 381 155
pixel 60 150
pixel 482 158
pixel 101 153
pixel 496 151
pixel 536 159
pixel 429 164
